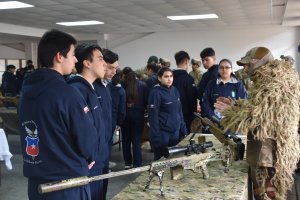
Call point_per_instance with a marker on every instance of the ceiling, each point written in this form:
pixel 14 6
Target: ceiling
pixel 139 17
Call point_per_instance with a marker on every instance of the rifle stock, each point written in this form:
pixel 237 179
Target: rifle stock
pixel 236 147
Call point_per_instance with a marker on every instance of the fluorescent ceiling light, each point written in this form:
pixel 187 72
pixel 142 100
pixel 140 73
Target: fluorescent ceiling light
pixel 14 4
pixel 79 23
pixel 187 17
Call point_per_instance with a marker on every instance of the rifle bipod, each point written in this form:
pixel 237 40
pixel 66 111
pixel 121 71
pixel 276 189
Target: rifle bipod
pixel 160 175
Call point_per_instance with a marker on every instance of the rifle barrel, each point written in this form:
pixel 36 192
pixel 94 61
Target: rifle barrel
pixel 84 180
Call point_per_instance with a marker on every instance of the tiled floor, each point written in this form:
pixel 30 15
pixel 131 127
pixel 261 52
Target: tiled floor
pixel 14 184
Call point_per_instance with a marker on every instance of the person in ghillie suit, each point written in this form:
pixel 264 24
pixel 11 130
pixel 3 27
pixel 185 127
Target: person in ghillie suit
pixel 270 118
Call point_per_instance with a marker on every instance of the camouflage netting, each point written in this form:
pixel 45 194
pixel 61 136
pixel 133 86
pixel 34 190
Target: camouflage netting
pixel 142 74
pixel 272 111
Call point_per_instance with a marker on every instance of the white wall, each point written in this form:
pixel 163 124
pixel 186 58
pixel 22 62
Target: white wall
pixel 10 53
pixel 228 43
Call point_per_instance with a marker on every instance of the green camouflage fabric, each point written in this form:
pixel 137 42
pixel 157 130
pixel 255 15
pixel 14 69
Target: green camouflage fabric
pixel 241 75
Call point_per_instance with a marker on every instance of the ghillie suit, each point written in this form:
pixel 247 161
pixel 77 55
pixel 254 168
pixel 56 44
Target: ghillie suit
pixel 272 113
pixel 141 74
pixel 241 75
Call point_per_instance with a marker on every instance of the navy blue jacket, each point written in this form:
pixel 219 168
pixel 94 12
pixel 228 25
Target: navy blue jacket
pixel 9 85
pixel 89 94
pixel 186 86
pixel 215 89
pixel 211 74
pixel 118 105
pixel 56 126
pixel 165 113
pixel 137 110
pixel 151 81
pixel 104 97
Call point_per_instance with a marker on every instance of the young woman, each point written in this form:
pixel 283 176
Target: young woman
pixel 165 114
pixel 226 85
pixel 133 125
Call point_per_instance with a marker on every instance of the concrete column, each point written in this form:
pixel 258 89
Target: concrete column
pixel 31 52
pixel 106 39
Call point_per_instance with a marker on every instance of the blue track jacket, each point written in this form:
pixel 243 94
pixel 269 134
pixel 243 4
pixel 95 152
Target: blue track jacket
pixel 165 113
pixel 216 88
pixel 56 126
pixel 151 81
pixel 90 96
pixel 118 105
pixel 211 74
pixel 186 87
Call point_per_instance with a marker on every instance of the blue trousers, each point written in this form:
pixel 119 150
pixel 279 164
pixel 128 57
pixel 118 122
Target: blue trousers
pixel 76 193
pixel 167 140
pixel 96 187
pixel 105 181
pixel 105 168
pixel 132 130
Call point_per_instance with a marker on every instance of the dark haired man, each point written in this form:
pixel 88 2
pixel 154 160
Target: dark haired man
pixel 9 86
pixel 111 59
pixel 20 73
pixel 91 66
pixel 55 145
pixel 208 57
pixel 102 87
pixel 186 87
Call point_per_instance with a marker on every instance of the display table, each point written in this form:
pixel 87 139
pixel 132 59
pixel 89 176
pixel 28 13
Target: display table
pixel 220 185
pixel 10 120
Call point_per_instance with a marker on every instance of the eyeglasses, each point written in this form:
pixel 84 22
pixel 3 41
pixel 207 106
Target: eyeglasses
pixel 224 68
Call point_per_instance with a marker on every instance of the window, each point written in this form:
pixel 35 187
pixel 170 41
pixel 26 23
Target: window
pixel 13 62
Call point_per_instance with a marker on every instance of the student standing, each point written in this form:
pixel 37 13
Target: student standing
pixel 89 67
pixel 57 133
pixel 9 85
pixel 118 101
pixel 226 85
pixel 102 87
pixel 165 113
pixel 208 57
pixel 186 87
pixel 132 128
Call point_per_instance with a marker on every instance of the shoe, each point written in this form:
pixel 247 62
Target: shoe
pixel 128 167
pixel 112 164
